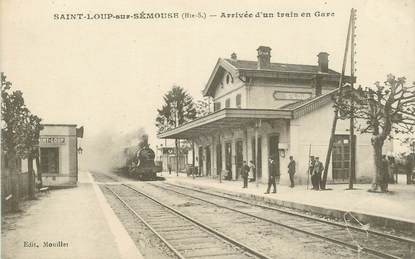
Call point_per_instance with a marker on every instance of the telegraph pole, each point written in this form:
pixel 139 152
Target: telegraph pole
pixel 177 140
pixel 336 112
pixel 352 171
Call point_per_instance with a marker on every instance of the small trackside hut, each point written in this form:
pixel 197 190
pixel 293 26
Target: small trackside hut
pixel 58 145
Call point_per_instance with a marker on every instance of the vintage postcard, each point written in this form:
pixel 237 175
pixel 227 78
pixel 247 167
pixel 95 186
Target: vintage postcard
pixel 207 129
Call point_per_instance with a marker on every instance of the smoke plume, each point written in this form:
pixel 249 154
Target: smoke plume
pixel 108 150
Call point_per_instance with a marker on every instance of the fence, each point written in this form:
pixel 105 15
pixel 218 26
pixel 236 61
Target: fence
pixel 19 182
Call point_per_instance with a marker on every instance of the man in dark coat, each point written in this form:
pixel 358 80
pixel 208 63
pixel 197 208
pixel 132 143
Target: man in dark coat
pixel 318 169
pixel 245 173
pixel 272 178
pixel 291 170
pixel 169 167
pixel 311 171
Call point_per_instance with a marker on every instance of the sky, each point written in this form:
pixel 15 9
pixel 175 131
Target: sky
pixel 110 76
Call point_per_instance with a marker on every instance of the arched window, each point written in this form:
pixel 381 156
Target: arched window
pixel 227 79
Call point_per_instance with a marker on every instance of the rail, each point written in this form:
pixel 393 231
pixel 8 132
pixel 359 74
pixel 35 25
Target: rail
pixel 321 236
pixel 216 233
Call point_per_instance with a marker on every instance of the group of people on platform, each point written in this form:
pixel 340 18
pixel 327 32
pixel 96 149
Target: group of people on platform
pixel 248 173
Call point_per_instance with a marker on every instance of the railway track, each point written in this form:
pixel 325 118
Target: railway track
pixel 102 177
pixel 183 235
pixel 361 240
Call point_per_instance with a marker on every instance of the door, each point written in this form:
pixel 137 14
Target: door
pixel 218 158
pixel 341 158
pixel 49 160
pixel 259 165
pixel 208 161
pixel 200 160
pixel 239 157
pixel 228 159
pixel 273 154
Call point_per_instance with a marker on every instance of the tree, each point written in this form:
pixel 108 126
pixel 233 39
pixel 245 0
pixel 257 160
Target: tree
pixel 20 134
pixel 176 100
pixel 384 111
pixel 202 107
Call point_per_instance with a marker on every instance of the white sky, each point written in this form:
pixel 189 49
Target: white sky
pixel 110 75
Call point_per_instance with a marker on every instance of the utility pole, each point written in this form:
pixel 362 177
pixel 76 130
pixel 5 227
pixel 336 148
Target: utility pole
pixel 336 112
pixel 176 118
pixel 352 171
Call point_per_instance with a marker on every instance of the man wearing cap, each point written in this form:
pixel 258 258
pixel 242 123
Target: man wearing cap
pixel 245 172
pixel 318 168
pixel 273 174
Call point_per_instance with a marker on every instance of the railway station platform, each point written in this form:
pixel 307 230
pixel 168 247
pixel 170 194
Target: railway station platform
pixel 394 209
pixel 73 223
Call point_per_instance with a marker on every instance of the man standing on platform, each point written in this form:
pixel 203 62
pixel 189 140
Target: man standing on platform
pixel 245 172
pixel 318 168
pixel 169 167
pixel 311 172
pixel 291 170
pixel 272 178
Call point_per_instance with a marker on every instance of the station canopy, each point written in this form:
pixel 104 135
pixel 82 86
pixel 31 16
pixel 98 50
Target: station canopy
pixel 228 118
pixel 235 118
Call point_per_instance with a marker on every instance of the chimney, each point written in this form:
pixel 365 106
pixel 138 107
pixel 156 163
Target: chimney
pixel 234 57
pixel 323 62
pixel 264 57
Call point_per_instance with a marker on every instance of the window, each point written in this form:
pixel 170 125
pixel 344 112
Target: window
pixel 229 79
pixel 216 106
pixel 49 160
pixel 238 101
pixel 228 103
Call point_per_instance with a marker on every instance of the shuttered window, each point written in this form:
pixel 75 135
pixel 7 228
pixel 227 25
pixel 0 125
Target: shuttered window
pixel 238 101
pixel 216 106
pixel 228 103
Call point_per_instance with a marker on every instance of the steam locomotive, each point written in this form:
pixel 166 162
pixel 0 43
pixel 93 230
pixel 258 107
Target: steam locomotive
pixel 140 162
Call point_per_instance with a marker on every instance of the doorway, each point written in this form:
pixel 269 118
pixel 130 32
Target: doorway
pixel 273 154
pixel 259 165
pixel 200 160
pixel 228 160
pixel 218 159
pixel 208 160
pixel 239 157
pixel 341 158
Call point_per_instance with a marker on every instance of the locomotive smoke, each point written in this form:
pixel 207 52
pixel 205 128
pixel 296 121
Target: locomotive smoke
pixel 108 150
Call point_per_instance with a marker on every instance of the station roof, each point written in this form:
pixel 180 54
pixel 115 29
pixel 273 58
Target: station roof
pixel 228 118
pixel 247 68
pixel 233 118
pixel 281 67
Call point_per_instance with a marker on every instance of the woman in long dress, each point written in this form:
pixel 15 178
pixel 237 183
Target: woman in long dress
pixel 251 175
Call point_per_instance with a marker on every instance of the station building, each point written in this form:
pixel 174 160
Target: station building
pixel 58 146
pixel 167 156
pixel 273 110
